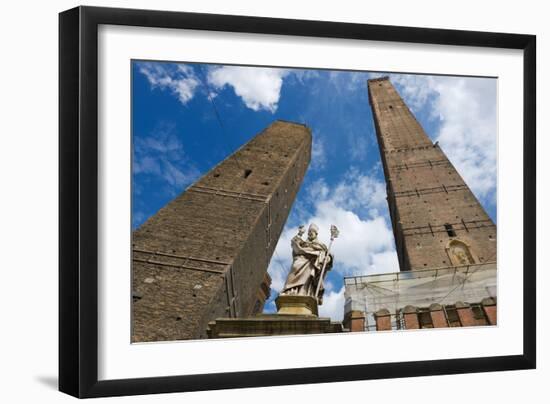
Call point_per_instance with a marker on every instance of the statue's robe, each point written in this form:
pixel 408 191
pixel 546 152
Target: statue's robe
pixel 307 263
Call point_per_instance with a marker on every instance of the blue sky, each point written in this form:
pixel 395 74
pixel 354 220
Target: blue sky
pixel 177 138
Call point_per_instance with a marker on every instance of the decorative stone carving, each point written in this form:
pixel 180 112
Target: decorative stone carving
pixel 460 253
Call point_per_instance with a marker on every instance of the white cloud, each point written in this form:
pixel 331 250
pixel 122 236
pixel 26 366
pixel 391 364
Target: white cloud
pixel 359 240
pixel 415 89
pixel 180 79
pixel 146 165
pixel 361 193
pixel 303 75
pixel 177 177
pixel 333 305
pixel 318 154
pixel 318 190
pixel 259 88
pixel 384 262
pixel 358 146
pixel 466 109
pixel 346 81
pixel 161 155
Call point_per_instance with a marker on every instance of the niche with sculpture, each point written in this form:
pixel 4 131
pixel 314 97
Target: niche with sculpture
pixel 460 253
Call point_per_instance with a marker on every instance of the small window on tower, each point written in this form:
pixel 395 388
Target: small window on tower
pixel 247 172
pixel 450 230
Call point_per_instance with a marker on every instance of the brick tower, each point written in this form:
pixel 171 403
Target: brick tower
pixel 205 254
pixel 437 221
pixel 445 241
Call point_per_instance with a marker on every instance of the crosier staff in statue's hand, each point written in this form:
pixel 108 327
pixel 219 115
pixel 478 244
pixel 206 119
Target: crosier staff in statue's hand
pixel 333 234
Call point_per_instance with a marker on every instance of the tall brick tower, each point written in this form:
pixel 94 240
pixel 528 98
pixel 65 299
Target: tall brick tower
pixel 445 241
pixel 205 254
pixel 437 220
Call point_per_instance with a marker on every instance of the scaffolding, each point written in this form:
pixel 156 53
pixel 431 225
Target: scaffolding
pixel 420 288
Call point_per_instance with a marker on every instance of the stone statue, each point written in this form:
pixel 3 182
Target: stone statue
pixel 311 260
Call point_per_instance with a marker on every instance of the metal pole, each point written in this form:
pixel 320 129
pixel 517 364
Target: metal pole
pixel 323 270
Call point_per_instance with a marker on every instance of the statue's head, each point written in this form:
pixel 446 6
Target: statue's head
pixel 312 232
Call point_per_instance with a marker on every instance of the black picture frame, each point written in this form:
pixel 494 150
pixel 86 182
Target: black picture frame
pixel 78 200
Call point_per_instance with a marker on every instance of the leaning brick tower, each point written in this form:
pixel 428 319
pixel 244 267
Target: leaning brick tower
pixel 205 254
pixel 445 241
pixel 437 221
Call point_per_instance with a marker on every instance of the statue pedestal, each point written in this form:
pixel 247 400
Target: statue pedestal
pixel 297 305
pixel 296 315
pixel 264 325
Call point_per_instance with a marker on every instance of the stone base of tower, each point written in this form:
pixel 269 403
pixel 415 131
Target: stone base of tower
pixel 264 325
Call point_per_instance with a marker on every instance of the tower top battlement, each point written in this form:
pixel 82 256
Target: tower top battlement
pixel 383 78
